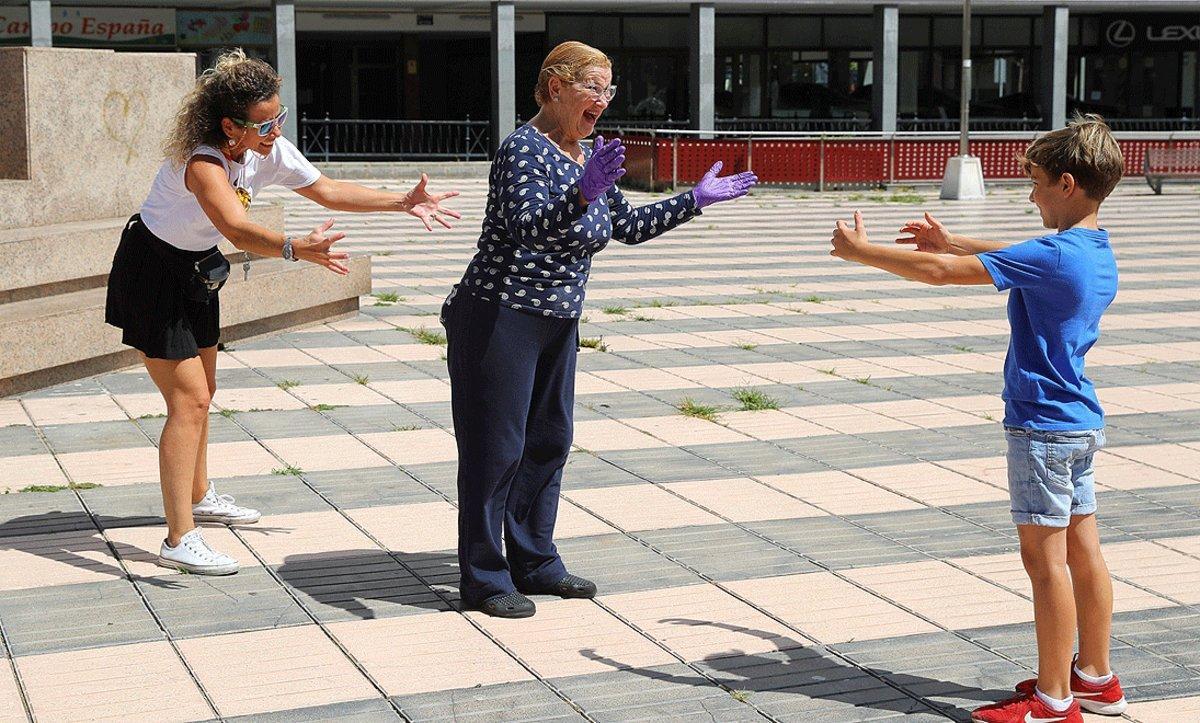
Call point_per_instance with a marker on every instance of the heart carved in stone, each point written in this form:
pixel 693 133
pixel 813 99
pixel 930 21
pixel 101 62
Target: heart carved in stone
pixel 124 117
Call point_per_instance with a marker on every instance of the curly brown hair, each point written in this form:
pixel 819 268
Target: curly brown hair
pixel 226 90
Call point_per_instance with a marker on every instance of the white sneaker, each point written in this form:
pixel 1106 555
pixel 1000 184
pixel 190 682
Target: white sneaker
pixel 193 555
pixel 220 508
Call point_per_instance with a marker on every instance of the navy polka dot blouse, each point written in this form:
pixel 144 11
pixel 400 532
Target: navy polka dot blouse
pixel 538 238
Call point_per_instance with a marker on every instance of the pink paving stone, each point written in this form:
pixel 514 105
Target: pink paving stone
pixel 647 380
pixel 574 637
pixel 963 600
pixel 239 459
pixel 425 653
pixel 682 431
pixel 744 500
pixel 849 419
pixel 719 375
pixel 1163 570
pixel 992 470
pixel 417 446
pixel 11 707
pixel 412 352
pixel 1142 400
pixel 62 558
pixel 838 493
pixel 1125 474
pixel 828 608
pixel 414 391
pixel 276 537
pixel 359 323
pixel 627 343
pixel 1171 710
pixel 424 527
pixel 140 405
pixel 11 413
pixel 269 358
pixel 17 473
pixel 599 435
pixel 247 398
pixel 334 451
pixel 350 394
pixel 935 486
pixel 138 547
pixel 770 424
pixel 586 383
pixel 73 410
pixel 138 682
pixel 1007 570
pixel 227 361
pixel 109 467
pixel 641 507
pixel 572 521
pixel 279 669
pixel 702 622
pixel 348 354
pixel 1178 458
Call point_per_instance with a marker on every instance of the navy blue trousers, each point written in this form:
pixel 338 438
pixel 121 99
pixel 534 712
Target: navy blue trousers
pixel 512 380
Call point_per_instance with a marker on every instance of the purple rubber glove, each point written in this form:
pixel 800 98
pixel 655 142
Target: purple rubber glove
pixel 712 190
pixel 602 169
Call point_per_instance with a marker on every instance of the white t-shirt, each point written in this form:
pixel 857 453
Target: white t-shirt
pixel 172 213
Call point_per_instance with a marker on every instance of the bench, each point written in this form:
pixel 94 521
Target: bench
pixel 1171 164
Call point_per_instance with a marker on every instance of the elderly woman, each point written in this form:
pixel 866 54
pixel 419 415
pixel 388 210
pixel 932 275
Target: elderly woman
pixel 512 325
pixel 225 147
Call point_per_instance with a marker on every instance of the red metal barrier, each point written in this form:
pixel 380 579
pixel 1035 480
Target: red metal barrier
pixel 659 162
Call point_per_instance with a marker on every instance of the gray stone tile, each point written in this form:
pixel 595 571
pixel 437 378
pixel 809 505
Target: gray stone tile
pixel 19 440
pixel 375 418
pixel 220 429
pixel 726 552
pixel 73 617
pixel 280 424
pixel 441 476
pixel 371 487
pixel 669 692
pixel 93 436
pixel 666 464
pixel 40 513
pixel 438 413
pixel 753 459
pixel 618 564
pixel 316 374
pixel 126 505
pixel 834 542
pixel 359 711
pixel 840 451
pixel 192 606
pixel 510 702
pixel 935 532
pixel 1145 518
pixel 272 494
pixel 584 471
pixel 361 584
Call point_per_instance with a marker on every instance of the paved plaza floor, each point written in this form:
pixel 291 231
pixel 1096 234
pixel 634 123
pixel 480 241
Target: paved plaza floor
pixel 824 536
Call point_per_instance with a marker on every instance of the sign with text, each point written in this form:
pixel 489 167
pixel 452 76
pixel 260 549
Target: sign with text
pixel 94 27
pixel 1150 32
pixel 211 28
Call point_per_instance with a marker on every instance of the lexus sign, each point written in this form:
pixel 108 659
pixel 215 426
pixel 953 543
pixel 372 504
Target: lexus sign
pixel 1153 31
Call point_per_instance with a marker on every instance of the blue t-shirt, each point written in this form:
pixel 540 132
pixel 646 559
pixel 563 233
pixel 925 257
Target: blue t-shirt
pixel 538 239
pixel 1061 284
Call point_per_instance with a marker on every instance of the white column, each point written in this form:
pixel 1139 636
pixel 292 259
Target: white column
pixel 886 68
pixel 703 67
pixel 504 71
pixel 1055 38
pixel 285 64
pixel 41 33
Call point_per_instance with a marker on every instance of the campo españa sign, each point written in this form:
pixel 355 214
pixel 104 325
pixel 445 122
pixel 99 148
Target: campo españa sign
pixel 94 27
pixel 1146 32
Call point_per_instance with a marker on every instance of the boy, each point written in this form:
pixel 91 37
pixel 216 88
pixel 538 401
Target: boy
pixel 1061 284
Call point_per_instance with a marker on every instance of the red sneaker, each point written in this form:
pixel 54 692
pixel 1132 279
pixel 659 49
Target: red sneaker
pixel 1025 708
pixel 1104 699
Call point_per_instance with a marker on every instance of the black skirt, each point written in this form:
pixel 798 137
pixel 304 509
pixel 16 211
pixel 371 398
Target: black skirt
pixel 147 301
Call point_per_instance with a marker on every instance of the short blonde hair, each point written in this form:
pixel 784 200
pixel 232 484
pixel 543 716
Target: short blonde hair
pixel 1086 149
pixel 567 62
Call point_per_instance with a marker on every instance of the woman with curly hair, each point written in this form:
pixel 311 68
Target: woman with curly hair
pixel 226 146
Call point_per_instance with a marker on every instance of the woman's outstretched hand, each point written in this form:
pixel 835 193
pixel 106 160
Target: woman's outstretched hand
pixel 314 248
pixel 427 206
pixel 602 169
pixel 712 189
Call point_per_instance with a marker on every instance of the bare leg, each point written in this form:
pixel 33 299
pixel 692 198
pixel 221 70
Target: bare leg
pixel 1044 553
pixel 208 357
pixel 1093 594
pixel 185 390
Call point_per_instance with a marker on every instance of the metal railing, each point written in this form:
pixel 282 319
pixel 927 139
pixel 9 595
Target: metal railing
pixel 342 139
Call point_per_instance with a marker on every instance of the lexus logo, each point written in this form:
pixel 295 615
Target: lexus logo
pixel 1120 33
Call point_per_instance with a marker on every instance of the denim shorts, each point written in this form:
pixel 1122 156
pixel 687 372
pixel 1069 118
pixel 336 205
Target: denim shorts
pixel 1050 476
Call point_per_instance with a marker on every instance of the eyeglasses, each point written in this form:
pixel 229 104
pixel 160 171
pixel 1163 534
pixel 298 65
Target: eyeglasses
pixel 596 91
pixel 265 127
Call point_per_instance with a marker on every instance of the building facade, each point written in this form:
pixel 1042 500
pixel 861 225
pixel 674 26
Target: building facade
pixel 767 64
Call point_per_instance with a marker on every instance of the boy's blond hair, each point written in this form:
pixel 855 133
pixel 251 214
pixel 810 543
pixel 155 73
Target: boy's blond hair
pixel 1086 149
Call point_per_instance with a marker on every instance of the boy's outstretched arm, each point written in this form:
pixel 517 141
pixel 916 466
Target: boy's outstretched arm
pixel 931 236
pixel 851 244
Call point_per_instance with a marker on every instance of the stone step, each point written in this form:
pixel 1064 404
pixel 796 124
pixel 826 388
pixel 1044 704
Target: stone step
pixel 66 257
pixel 53 339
